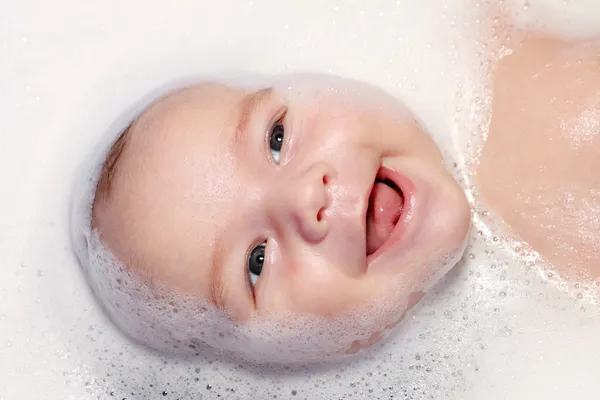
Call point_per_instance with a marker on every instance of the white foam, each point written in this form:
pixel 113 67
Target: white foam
pixel 492 329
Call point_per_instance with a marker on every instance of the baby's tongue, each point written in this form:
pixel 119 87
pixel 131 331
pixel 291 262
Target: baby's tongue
pixel 385 208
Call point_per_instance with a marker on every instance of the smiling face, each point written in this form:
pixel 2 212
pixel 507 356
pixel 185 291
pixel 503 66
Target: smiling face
pixel 296 201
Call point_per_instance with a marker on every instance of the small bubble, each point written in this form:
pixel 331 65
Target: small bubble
pixel 208 387
pixel 502 294
pixel 294 393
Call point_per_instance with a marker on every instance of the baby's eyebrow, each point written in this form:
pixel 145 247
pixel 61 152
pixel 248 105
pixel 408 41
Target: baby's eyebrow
pixel 215 277
pixel 109 168
pixel 247 107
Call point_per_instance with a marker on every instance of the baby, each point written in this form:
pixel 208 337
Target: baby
pixel 300 218
pixel 291 221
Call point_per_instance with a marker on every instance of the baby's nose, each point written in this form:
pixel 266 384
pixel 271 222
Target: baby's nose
pixel 308 200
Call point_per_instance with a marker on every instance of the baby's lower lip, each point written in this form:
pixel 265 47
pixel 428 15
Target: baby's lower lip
pixel 408 189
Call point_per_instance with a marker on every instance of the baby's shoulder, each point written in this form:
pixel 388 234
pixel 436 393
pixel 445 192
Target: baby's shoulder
pixel 537 167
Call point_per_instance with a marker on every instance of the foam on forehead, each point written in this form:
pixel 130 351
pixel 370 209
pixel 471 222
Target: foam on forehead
pixel 167 321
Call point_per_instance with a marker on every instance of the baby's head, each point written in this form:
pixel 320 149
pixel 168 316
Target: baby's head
pixel 286 222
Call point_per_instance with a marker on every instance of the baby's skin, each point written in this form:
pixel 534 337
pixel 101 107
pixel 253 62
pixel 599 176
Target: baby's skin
pixel 539 169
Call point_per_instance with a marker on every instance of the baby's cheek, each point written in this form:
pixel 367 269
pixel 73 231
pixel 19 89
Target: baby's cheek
pixel 321 292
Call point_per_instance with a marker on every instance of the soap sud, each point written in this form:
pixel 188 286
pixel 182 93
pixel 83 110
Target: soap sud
pixel 497 326
pixel 571 19
pixel 185 325
pixel 585 127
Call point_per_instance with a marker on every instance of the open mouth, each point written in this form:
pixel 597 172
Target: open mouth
pixel 386 203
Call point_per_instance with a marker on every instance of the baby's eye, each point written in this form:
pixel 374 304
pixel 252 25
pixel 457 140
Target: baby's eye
pixel 276 140
pixel 255 262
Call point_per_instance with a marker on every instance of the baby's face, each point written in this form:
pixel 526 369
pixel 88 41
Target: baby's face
pixel 284 202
